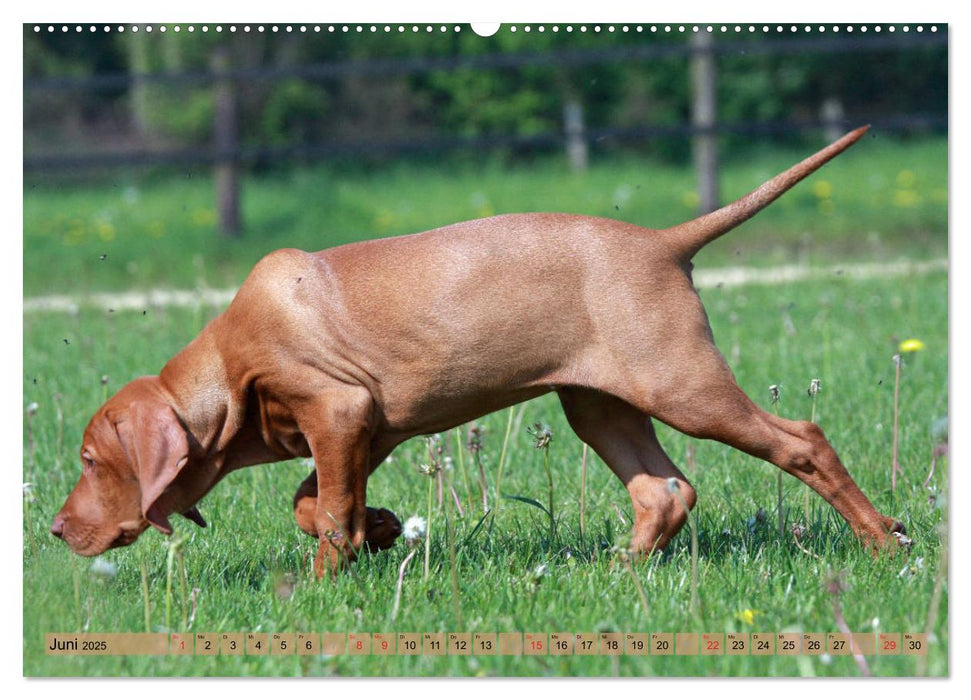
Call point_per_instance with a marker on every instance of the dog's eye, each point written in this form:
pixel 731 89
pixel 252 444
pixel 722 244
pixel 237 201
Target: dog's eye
pixel 88 461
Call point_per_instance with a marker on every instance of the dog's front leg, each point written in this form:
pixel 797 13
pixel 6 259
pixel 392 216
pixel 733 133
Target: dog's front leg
pixel 337 428
pixel 383 526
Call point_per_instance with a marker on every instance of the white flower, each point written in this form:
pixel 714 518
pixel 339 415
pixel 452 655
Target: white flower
pixel 28 491
pixel 912 568
pixel 102 568
pixel 415 528
pixel 32 408
pixel 875 623
pixel 534 577
pixel 447 462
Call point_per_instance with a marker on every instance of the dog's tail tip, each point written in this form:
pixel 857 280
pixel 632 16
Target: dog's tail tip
pixel 689 237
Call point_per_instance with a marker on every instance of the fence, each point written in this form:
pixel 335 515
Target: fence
pixel 227 154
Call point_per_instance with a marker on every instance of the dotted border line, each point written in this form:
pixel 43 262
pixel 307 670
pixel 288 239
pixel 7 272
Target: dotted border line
pixel 555 28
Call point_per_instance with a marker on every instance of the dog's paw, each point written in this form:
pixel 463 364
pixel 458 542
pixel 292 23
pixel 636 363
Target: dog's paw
pixel 383 528
pixel 305 511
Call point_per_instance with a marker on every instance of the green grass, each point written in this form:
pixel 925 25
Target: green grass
pixel 883 199
pixel 841 331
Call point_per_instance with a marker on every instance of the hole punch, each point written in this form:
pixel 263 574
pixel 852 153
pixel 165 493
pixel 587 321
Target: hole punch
pixel 485 29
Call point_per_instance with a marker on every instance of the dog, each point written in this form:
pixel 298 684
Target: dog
pixel 343 354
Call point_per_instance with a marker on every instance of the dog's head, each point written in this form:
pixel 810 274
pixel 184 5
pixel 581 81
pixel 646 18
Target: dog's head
pixel 133 450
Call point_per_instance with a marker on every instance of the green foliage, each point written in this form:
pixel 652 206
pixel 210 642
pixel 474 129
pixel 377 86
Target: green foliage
pixel 291 112
pixel 526 100
pixel 183 115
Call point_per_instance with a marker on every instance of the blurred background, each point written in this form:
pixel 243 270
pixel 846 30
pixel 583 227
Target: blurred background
pixel 178 158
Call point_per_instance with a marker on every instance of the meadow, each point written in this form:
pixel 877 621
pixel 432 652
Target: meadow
pixel 882 200
pixel 250 570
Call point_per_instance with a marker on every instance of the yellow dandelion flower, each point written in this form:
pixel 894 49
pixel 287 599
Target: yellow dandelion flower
pixel 912 345
pixel 106 231
pixel 906 198
pixel 383 221
pixel 203 217
pixel 906 178
pixel 747 616
pixel 822 189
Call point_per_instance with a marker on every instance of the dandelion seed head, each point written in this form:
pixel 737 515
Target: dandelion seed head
pixel 814 387
pixel 902 540
pixel 912 568
pixel 429 469
pixel 103 569
pixel 542 435
pixel 285 586
pixel 414 529
pixel 622 545
pixel 534 577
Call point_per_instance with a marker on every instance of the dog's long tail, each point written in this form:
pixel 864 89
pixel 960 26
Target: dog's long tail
pixel 690 237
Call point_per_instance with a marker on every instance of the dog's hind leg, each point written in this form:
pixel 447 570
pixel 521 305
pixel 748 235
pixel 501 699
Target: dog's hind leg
pixel 624 438
pixel 699 396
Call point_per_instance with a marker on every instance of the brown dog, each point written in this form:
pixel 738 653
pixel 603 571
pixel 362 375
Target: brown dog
pixel 343 354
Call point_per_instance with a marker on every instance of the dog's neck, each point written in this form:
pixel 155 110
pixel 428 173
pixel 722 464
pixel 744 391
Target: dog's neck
pixel 197 381
pixel 214 410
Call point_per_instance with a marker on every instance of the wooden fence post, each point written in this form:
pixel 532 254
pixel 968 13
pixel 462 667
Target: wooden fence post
pixel 703 118
pixel 576 143
pixel 226 141
pixel 139 65
pixel 833 118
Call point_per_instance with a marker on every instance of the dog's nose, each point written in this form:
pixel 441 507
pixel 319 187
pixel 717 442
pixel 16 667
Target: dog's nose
pixel 57 527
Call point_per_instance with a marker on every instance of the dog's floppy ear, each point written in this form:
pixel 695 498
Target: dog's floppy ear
pixel 157 447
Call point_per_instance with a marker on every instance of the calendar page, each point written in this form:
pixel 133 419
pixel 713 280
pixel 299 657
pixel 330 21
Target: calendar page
pixel 485 350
